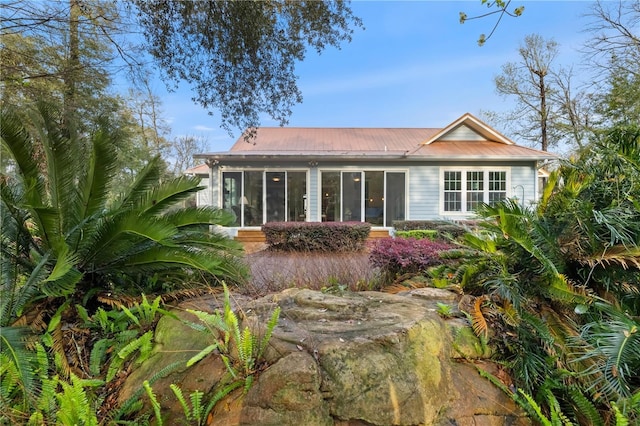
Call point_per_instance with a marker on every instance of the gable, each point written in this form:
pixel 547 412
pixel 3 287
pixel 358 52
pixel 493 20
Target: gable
pixel 469 128
pixel 462 133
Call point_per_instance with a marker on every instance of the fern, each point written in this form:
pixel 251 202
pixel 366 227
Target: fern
pixel 154 402
pixel 194 411
pixel 142 344
pixel 203 353
pixel 196 407
pixel 98 355
pixel 585 407
pixel 621 419
pixel 247 348
pixel 183 403
pixel 133 404
pixel 532 407
pixel 74 407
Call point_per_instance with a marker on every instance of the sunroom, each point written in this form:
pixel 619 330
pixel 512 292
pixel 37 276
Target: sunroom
pixel 374 175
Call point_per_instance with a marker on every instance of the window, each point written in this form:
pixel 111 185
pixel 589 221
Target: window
pixel 376 197
pixel 475 190
pixel 463 191
pixel 261 196
pixel 453 191
pixel 296 196
pixel 331 197
pixel 395 198
pixel 497 187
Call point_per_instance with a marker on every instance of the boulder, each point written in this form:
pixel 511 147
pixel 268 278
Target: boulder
pixel 365 358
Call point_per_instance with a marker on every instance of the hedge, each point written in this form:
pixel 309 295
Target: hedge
pixel 443 228
pixel 316 236
pixel 397 256
pixel 418 234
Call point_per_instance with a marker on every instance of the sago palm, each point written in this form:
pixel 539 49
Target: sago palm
pixel 564 280
pixel 62 237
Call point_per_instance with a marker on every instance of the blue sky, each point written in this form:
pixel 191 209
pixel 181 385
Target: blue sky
pixel 414 65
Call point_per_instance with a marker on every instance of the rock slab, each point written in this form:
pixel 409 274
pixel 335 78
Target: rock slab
pixel 365 358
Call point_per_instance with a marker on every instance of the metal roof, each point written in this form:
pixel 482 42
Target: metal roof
pixel 376 144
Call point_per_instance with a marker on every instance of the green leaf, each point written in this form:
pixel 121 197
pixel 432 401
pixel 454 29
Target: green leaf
pixel 203 353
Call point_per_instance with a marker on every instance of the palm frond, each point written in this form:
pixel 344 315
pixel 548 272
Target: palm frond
pixel 478 320
pixel 145 181
pixel 615 348
pixel 13 347
pixel 626 257
pixel 20 145
pixel 102 167
pixel 167 194
pixel 184 218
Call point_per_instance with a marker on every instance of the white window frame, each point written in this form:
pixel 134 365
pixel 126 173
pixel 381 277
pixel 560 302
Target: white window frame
pixel 264 171
pixel 463 172
pixel 362 171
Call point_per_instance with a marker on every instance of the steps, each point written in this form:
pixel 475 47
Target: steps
pixel 257 236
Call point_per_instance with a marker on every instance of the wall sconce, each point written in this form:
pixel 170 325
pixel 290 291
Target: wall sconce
pixel 313 164
pixel 276 179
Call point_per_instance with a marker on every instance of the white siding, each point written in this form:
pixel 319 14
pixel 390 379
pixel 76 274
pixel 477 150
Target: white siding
pixel 523 181
pixel 423 192
pixel 203 197
pixel 313 196
pixel 462 133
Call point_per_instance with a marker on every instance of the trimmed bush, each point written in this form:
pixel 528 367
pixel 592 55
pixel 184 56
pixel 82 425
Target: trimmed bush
pixel 443 228
pixel 316 236
pixel 418 234
pixel 397 256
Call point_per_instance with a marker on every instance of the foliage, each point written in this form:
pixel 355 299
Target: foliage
pixel 418 234
pixel 241 350
pixel 33 385
pixel 330 237
pixel 444 310
pixel 395 256
pixel 445 229
pixel 559 286
pixel 239 57
pixel 496 7
pixel 62 238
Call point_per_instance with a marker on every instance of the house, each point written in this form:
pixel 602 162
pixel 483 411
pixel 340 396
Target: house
pixel 377 175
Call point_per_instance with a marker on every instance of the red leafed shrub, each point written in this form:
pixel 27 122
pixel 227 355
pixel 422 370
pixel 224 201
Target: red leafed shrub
pixel 396 256
pixel 331 237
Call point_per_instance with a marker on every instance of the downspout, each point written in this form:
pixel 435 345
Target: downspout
pixel 536 196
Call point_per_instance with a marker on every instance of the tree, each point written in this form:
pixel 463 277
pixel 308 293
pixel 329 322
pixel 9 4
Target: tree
pixel 183 148
pixel 497 7
pixel 614 27
pixel 239 56
pixel 59 51
pixel 614 52
pixel 529 81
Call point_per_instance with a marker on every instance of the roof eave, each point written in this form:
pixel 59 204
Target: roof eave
pixel 363 157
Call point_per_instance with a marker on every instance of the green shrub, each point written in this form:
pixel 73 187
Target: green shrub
pixel 444 229
pixel 316 236
pixel 418 234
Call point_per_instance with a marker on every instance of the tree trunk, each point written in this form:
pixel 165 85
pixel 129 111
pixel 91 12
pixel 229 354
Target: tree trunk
pixel 72 66
pixel 543 110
